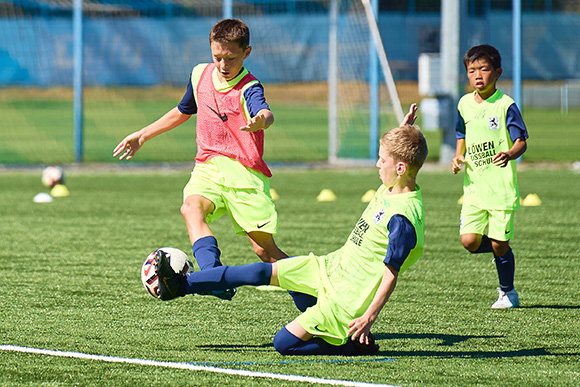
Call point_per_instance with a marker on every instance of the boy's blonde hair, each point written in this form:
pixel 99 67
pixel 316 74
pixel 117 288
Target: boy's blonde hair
pixel 230 31
pixel 407 144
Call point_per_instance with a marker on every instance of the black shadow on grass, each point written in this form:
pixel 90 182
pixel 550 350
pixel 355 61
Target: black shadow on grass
pixel 474 354
pixel 549 307
pixel 445 339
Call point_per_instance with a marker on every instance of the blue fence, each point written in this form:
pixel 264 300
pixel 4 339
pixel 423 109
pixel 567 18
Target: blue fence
pixel 144 51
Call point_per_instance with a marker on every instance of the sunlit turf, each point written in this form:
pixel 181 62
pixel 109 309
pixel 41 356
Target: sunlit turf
pixel 71 282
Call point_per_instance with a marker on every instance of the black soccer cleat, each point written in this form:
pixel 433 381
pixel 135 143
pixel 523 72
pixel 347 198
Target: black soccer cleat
pixel 170 284
pixel 226 294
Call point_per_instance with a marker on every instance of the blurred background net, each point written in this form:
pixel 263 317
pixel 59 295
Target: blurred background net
pixel 138 56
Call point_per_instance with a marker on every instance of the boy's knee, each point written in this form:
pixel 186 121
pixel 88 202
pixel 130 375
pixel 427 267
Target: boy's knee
pixel 193 206
pixel 185 209
pixel 470 244
pixel 284 341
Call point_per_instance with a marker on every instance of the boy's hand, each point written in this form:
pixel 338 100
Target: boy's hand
pixel 410 117
pixel 255 124
pixel 261 121
pixel 456 164
pixel 360 328
pixel 501 159
pixel 130 145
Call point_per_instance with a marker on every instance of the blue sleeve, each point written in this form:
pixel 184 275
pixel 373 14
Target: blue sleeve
pixel 402 239
pixel 187 104
pixel 255 99
pixel 459 126
pixel 515 123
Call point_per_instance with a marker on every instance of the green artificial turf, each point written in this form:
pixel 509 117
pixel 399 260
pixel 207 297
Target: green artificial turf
pixel 71 282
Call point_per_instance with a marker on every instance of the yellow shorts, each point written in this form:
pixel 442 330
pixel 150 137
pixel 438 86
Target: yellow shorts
pixel 237 190
pixel 326 319
pixel 496 224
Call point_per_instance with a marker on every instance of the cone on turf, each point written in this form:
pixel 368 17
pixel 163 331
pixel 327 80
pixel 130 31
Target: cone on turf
pixel 274 194
pixel 59 191
pixel 326 195
pixel 532 200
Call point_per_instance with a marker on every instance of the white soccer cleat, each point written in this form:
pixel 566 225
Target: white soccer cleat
pixel 506 300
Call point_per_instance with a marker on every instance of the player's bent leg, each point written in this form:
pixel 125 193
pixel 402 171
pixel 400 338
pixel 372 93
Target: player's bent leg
pixel 476 243
pixel 265 247
pixel 293 340
pixel 194 210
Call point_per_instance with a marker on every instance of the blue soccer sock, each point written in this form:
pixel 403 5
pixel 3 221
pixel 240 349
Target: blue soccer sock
pixel 484 246
pixel 505 270
pixel 206 252
pixel 228 277
pixel 302 301
pixel 288 344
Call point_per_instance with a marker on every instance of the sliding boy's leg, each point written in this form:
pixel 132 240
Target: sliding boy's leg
pixel 173 285
pixel 293 339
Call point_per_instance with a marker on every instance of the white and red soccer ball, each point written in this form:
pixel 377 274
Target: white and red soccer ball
pixel 52 176
pixel 178 260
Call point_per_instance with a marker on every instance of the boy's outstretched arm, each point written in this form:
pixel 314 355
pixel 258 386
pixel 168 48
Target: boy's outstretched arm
pixel 131 144
pixel 361 327
pixel 501 159
pixel 458 159
pixel 260 121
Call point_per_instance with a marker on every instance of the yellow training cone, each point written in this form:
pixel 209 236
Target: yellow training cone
pixel 460 201
pixel 274 194
pixel 532 200
pixel 368 196
pixel 326 195
pixel 59 191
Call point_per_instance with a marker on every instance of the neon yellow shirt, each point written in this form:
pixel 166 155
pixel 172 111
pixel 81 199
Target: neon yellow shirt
pixel 485 185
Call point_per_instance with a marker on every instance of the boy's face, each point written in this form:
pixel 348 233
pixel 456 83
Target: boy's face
pixel 389 169
pixel 228 59
pixel 482 76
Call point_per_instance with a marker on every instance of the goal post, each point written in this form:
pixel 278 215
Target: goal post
pixel 359 105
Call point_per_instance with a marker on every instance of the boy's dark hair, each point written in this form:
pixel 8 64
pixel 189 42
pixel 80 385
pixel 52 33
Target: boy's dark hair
pixel 485 51
pixel 230 31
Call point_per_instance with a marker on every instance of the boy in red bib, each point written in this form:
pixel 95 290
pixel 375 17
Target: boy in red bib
pixel 230 174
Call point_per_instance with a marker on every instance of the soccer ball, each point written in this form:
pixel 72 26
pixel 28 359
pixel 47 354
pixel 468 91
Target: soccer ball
pixel 178 260
pixel 52 176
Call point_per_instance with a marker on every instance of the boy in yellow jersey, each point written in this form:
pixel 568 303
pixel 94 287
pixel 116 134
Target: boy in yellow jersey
pixel 351 284
pixel 230 174
pixel 491 135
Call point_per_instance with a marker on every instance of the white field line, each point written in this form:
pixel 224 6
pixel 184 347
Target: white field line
pixel 186 366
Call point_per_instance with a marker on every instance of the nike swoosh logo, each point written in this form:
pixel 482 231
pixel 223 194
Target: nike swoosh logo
pixel 263 224
pixel 223 117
